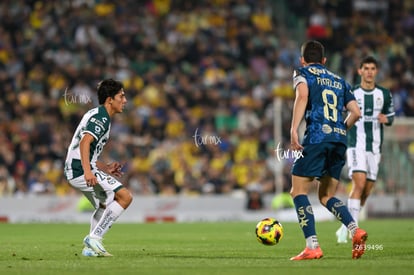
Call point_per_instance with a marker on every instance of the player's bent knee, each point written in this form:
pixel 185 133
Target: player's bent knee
pixel 123 197
pixel 293 193
pixel 127 199
pixel 324 199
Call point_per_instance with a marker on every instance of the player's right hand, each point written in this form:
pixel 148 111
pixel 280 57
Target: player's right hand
pixel 90 178
pixel 294 141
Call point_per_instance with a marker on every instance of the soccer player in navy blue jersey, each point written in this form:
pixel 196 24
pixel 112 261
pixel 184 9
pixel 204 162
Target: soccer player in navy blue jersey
pixel 321 97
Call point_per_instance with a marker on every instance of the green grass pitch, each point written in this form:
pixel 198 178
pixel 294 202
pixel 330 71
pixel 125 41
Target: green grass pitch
pixel 201 248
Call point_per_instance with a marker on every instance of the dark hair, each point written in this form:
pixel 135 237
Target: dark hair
pixel 369 60
pixel 108 88
pixel 313 51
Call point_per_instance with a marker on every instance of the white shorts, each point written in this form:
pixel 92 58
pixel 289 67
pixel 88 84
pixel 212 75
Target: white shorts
pixel 103 192
pixel 362 161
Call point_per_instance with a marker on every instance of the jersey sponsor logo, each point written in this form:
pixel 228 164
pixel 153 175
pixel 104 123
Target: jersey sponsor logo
pixel 97 121
pixel 379 102
pixel 317 71
pixel 99 126
pixel 340 131
pixel 97 130
pixel 370 118
pixel 326 129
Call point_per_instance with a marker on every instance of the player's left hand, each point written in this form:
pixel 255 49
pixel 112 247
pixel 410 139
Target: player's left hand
pixel 114 169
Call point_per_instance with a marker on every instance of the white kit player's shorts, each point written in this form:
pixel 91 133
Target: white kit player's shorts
pixel 103 192
pixel 363 161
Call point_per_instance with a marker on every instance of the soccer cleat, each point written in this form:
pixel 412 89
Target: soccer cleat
pixel 97 246
pixel 358 243
pixel 309 254
pixel 341 235
pixel 88 252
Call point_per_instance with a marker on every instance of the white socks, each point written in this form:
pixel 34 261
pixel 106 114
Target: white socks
pixel 108 217
pixel 354 206
pixel 352 227
pixel 95 218
pixel 312 242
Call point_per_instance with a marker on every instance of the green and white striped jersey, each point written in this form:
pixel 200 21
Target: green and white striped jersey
pixel 97 123
pixel 367 133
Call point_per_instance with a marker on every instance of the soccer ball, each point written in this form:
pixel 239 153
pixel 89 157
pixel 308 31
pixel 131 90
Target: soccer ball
pixel 269 231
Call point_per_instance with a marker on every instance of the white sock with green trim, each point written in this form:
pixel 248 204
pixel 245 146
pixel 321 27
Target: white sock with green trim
pixel 97 214
pixel 354 206
pixel 109 216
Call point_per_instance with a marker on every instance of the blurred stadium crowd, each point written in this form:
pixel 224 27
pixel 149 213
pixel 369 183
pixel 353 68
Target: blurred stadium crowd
pixel 201 78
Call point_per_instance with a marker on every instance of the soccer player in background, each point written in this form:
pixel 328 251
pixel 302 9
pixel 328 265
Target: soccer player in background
pixel 321 97
pixel 365 138
pixel 95 179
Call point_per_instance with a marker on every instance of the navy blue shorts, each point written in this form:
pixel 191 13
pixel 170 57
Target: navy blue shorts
pixel 323 159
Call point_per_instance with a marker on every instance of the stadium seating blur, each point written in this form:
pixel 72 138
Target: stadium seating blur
pixel 200 76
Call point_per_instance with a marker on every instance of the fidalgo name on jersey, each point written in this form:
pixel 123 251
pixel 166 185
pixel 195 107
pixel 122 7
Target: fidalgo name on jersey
pixel 329 82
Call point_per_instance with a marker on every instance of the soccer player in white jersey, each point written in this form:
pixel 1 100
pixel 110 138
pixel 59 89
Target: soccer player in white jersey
pixel 365 138
pixel 95 179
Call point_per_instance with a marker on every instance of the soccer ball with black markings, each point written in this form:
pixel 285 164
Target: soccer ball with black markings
pixel 269 231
